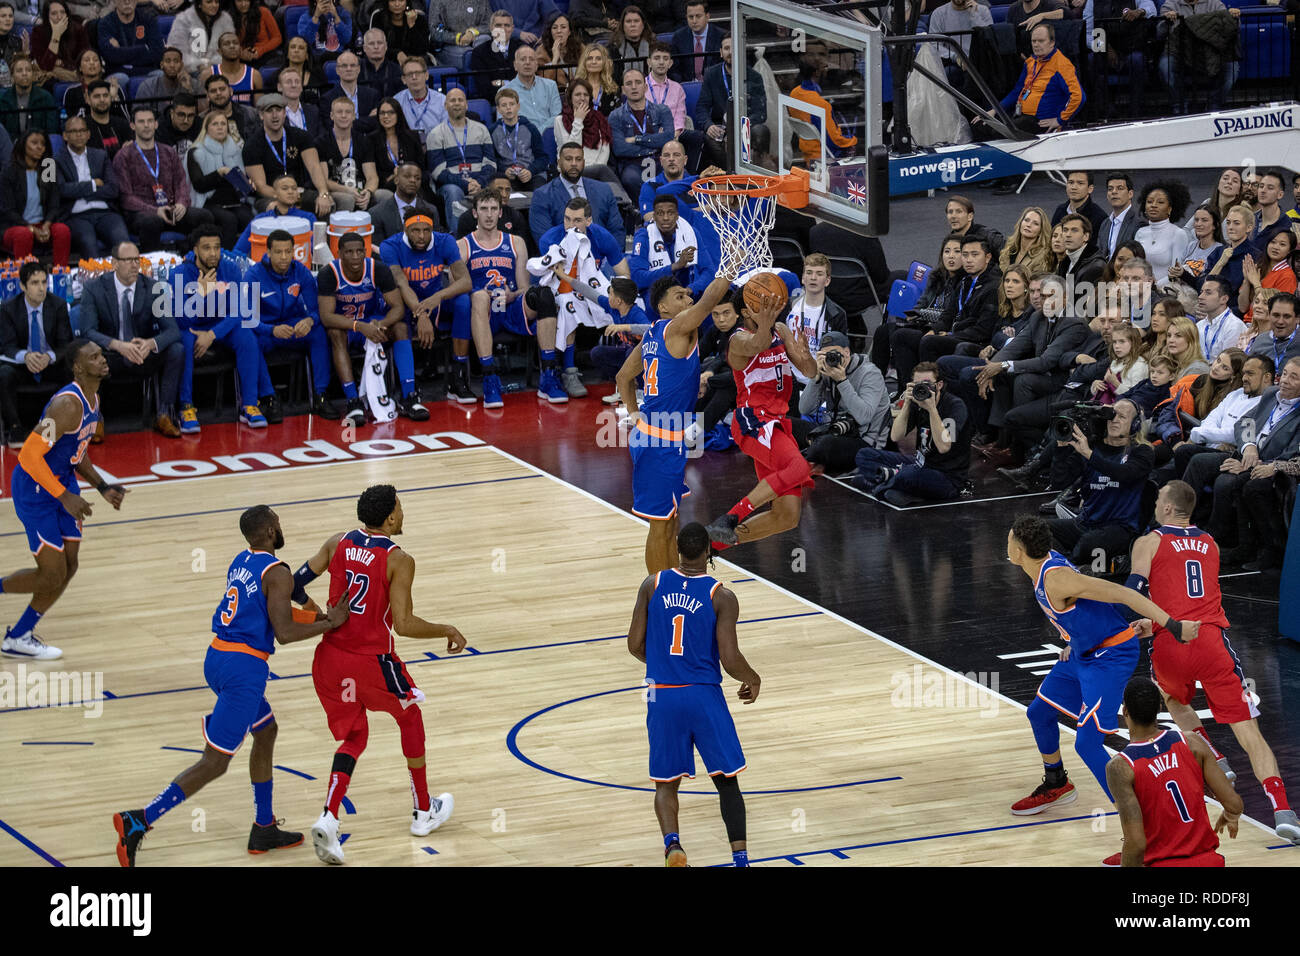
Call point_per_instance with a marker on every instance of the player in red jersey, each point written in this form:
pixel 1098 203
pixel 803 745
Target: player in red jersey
pixel 1158 782
pixel 762 355
pixel 1178 565
pixel 356 668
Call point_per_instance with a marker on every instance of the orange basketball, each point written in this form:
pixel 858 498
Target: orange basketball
pixel 765 282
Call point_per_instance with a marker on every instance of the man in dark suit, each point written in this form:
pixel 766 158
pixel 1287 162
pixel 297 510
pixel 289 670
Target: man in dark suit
pixel 364 99
pixel 88 191
pixel 1243 480
pixel 1122 222
pixel 389 216
pixel 1076 233
pixel 712 115
pixel 547 209
pixel 34 330
pixel 493 63
pixel 117 314
pixel 1079 184
pixel 695 46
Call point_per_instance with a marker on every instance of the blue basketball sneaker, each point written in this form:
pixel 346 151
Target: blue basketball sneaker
pixel 550 389
pixel 131 829
pixel 492 391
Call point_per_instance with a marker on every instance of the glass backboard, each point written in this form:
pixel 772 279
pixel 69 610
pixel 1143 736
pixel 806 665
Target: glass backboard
pixel 820 110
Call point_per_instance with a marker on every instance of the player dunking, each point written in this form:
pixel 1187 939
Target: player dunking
pixel 356 668
pixel 683 628
pixel 762 356
pixel 1159 785
pixel 1182 564
pixel 46 498
pixel 1087 683
pixel 253 614
pixel 668 361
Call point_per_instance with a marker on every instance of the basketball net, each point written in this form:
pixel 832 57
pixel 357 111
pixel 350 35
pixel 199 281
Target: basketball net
pixel 742 221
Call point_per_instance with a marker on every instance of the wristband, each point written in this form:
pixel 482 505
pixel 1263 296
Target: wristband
pixel 354 325
pixel 301 578
pixel 1176 629
pixel 101 487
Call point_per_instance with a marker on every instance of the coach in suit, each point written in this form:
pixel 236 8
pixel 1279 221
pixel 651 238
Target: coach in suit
pixel 696 45
pixel 34 331
pixel 547 209
pixel 712 116
pixel 1243 480
pixel 1123 220
pixel 88 191
pixel 117 314
pixel 389 216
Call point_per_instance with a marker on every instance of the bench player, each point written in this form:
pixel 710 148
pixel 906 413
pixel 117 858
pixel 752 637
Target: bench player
pixel 253 614
pixel 684 630
pixel 1159 782
pixel 1087 683
pixel 356 668
pixel 1178 566
pixel 763 355
pixel 667 359
pixel 47 499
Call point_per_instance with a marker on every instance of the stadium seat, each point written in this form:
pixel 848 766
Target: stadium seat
pixel 438 75
pixel 133 86
pixel 918 272
pixel 999 14
pixel 56 144
pixel 548 144
pixel 786 253
pixel 331 72
pixel 692 91
pixel 165 26
pixel 903 297
pixel 268 76
pixel 60 91
pixel 483 110
pixel 1266 48
pixel 291 17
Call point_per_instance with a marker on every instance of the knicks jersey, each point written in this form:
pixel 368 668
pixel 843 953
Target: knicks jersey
pixel 681 643
pixel 425 270
pixel 1170 789
pixel 491 268
pixel 671 384
pixel 764 384
pixel 66 453
pixel 360 301
pixel 241 90
pixel 360 568
pixel 241 617
pixel 1185 576
pixel 1087 624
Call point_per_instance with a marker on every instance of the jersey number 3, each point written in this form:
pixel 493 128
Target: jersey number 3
pixel 232 605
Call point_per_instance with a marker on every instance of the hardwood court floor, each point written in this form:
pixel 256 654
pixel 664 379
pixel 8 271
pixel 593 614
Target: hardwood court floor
pixel 539 732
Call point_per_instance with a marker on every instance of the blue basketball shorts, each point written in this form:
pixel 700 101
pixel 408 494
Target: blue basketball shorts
pixel 239 681
pixel 45 520
pixel 658 477
pixel 511 319
pixel 1092 688
pixel 682 719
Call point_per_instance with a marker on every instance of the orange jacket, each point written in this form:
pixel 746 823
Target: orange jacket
pixel 811 148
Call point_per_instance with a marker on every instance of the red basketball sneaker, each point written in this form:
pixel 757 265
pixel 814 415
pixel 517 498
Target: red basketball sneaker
pixel 1045 796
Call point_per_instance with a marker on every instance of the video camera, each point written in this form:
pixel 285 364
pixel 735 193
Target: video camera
pixel 1090 418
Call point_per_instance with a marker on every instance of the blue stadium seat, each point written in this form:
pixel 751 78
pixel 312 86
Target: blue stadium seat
pixel 74 318
pixel 331 72
pixel 268 76
pixel 60 91
pixel 133 86
pixel 903 296
pixel 56 143
pixel 692 91
pixel 165 26
pixel 918 272
pixel 999 14
pixel 1266 48
pixel 436 74
pixel 548 143
pixel 291 17
pixel 483 110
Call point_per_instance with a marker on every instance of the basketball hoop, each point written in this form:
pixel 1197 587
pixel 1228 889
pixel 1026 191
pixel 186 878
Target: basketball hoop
pixel 742 209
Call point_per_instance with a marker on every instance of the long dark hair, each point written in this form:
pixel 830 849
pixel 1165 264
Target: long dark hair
pixel 249 25
pixel 19 156
pixel 405 135
pixel 572 50
pixel 1207 393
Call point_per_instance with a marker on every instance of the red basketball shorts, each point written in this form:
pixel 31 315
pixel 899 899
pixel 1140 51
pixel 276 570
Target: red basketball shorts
pixel 1209 858
pixel 348 685
pixel 1211 660
pixel 776 455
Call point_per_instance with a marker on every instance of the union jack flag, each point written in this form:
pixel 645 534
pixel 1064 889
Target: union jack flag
pixel 858 193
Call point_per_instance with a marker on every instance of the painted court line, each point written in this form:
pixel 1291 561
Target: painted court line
pixel 29 844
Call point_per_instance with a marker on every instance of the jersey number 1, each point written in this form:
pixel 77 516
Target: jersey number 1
pixel 679 624
pixel 1179 802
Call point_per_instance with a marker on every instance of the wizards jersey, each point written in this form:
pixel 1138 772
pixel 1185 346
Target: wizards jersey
pixel 1087 624
pixel 66 453
pixel 671 384
pixel 681 643
pixel 361 301
pixel 425 271
pixel 1185 576
pixel 1170 788
pixel 491 268
pixel 764 384
pixel 359 567
pixel 241 617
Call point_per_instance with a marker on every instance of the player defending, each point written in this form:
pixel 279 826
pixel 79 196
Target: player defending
pixel 47 496
pixel 1159 785
pixel 683 627
pixel 1182 564
pixel 359 300
pixel 253 614
pixel 356 668
pixel 668 361
pixel 763 356
pixel 1087 683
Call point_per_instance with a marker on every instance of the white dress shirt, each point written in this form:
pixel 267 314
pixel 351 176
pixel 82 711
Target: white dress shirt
pixel 81 162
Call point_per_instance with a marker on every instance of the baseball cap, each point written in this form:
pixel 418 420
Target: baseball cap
pixel 269 100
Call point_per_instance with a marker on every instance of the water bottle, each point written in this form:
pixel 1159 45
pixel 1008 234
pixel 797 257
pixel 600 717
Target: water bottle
pixel 6 79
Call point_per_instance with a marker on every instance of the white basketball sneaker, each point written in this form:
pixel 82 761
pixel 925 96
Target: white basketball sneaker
pixel 1287 826
pixel 29 645
pixel 424 822
pixel 325 839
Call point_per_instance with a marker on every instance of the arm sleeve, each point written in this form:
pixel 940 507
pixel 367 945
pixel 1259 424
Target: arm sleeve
pixel 32 460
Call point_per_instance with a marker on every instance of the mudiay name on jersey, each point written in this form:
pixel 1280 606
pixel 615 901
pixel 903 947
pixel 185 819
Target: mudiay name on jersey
pixel 360 554
pixel 684 601
pixel 1162 763
pixel 1189 544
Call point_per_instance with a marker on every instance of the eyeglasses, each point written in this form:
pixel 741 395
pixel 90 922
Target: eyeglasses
pixel 126 258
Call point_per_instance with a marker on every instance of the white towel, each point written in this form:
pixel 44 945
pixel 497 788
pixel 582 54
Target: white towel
pixel 373 387
pixel 577 303
pixel 659 255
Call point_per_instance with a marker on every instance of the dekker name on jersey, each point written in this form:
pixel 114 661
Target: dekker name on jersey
pixel 1190 544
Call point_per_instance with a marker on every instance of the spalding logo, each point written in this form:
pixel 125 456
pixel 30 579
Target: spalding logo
pixel 1278 119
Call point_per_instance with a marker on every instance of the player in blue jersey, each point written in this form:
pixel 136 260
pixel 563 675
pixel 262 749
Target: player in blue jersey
pixel 359 301
pixel 430 274
pixel 684 630
pixel 47 500
pixel 254 612
pixel 1087 683
pixel 667 359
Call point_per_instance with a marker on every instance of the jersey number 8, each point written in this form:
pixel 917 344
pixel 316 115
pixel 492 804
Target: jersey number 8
pixel 1195 580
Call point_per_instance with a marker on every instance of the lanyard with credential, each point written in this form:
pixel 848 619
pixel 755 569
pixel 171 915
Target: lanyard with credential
pixel 663 97
pixel 511 141
pixel 727 83
pixel 641 124
pixel 1268 426
pixel 1278 354
pixel 1212 340
pixel 156 165
pixel 280 155
pixel 461 143
pixel 961 301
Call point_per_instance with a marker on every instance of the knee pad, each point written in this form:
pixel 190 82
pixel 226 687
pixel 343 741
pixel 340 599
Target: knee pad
pixel 542 301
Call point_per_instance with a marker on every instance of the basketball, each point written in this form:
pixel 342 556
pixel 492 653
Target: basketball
pixel 765 282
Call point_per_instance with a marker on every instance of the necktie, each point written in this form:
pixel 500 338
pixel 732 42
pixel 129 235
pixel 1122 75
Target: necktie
pixel 699 59
pixel 124 318
pixel 577 190
pixel 1114 236
pixel 35 341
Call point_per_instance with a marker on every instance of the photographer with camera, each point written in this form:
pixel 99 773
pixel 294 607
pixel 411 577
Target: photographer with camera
pixel 937 426
pixel 856 406
pixel 1113 463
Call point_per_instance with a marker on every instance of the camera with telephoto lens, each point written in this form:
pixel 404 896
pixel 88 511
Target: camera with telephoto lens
pixel 1090 418
pixel 922 392
pixel 839 428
